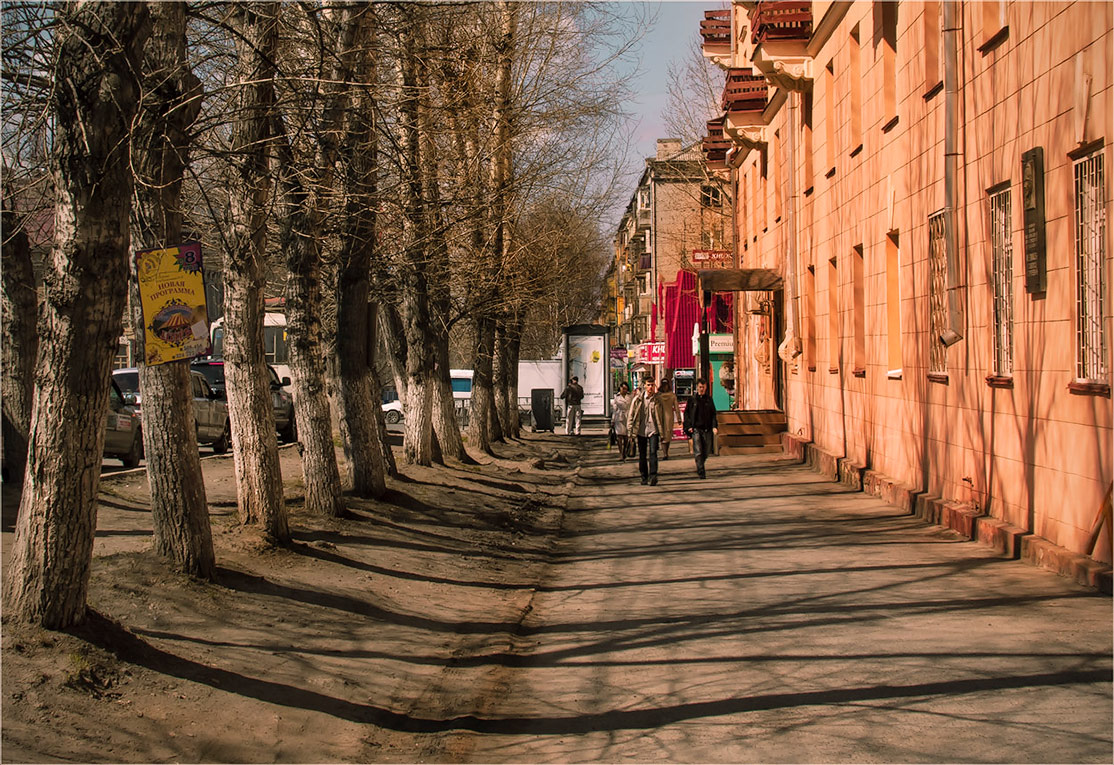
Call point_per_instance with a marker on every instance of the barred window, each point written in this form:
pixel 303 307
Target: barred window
pixel 938 293
pixel 1090 250
pixel 1002 254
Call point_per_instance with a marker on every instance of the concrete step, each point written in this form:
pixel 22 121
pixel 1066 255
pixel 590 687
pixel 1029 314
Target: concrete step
pixel 765 449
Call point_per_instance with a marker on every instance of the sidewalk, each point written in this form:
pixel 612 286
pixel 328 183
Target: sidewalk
pixel 769 615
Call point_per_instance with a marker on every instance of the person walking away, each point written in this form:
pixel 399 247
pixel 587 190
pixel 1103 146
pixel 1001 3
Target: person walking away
pixel 672 412
pixel 701 424
pixel 645 423
pixel 574 396
pixel 620 406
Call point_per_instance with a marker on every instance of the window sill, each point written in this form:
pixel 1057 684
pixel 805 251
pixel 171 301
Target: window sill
pixel 937 88
pixel 857 150
pixel 894 374
pixel 808 191
pixel 995 40
pixel 938 377
pixel 890 125
pixel 811 367
pixel 833 370
pixel 830 173
pixel 1089 388
pixel 858 372
pixel 999 381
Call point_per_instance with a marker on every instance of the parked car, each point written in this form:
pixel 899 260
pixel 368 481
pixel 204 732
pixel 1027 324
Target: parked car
pixel 281 400
pixel 392 407
pixel 123 433
pixel 210 412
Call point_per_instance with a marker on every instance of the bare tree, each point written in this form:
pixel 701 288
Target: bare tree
pixel 255 443
pixel 97 66
pixel 19 344
pixel 171 103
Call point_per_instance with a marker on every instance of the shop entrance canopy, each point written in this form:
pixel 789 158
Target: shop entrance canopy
pixel 739 279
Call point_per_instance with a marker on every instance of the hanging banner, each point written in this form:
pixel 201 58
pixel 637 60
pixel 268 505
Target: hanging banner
pixel 172 294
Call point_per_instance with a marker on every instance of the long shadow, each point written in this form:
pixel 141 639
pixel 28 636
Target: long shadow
pixel 131 508
pixel 129 647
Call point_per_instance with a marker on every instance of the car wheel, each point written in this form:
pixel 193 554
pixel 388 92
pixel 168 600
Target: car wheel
pixel 135 454
pixel 220 446
pixel 394 416
pixel 289 434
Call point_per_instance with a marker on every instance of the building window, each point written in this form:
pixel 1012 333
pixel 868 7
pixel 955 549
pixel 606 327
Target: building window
pixel 893 305
pixel 834 343
pixel 810 318
pixel 1090 253
pixel 1002 254
pixel 643 199
pixel 806 136
pixel 710 196
pixel 855 76
pixel 858 298
pixel 830 115
pixel 932 79
pixel 937 292
pixel 885 14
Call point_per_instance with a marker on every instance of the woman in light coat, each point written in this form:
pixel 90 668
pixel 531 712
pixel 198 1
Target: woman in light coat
pixel 620 406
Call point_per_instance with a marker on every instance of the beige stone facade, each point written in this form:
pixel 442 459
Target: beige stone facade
pixel 842 177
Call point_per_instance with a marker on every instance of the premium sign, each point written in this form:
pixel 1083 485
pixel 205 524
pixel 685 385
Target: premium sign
pixel 1032 202
pixel 172 294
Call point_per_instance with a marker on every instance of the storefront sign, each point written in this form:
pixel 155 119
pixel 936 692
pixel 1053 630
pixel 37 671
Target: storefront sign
pixel 172 294
pixel 1032 201
pixel 713 258
pixel 722 343
pixel 651 353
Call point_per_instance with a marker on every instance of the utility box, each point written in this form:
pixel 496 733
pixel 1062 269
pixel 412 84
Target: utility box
pixel 541 407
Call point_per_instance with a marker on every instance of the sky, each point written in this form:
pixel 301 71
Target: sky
pixel 668 42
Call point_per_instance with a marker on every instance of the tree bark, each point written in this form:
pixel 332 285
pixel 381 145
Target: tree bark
pixel 255 443
pixel 19 345
pixel 99 50
pixel 179 511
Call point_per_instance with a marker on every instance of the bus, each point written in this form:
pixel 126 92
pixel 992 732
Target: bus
pixel 275 346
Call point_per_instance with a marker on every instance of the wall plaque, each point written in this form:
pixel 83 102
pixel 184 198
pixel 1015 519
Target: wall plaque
pixel 1032 203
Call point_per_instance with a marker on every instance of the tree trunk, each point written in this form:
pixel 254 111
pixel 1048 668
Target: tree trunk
pixel 255 443
pixel 179 511
pixel 48 573
pixel 18 346
pixel 480 431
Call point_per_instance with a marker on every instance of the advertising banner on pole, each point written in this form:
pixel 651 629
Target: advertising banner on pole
pixel 172 294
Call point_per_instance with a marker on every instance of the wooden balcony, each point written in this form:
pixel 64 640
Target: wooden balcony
pixel 744 91
pixel 715 145
pixel 716 29
pixel 780 20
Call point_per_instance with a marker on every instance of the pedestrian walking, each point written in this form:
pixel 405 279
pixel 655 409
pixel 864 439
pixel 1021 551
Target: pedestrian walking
pixel 672 415
pixel 573 396
pixel 701 424
pixel 645 422
pixel 620 406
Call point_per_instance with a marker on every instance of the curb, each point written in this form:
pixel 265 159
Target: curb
pixel 962 517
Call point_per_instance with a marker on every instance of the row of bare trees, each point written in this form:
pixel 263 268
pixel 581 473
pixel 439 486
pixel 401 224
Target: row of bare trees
pixel 406 174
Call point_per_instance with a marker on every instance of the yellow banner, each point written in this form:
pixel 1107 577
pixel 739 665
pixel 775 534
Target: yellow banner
pixel 172 293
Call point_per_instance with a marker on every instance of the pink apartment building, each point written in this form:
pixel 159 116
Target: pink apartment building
pixel 931 181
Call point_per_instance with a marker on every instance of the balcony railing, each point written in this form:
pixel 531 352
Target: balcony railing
pixel 780 20
pixel 744 91
pixel 715 144
pixel 716 27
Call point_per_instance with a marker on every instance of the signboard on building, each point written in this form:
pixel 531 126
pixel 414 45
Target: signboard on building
pixel 172 295
pixel 721 343
pixel 651 353
pixel 713 258
pixel 1032 202
pixel 619 357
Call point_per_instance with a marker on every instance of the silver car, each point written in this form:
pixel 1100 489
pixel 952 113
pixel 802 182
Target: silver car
pixel 123 434
pixel 210 411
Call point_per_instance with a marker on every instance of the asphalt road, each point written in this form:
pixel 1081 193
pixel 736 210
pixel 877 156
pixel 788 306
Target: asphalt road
pixel 768 615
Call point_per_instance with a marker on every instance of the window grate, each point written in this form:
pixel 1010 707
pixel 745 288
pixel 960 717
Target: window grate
pixel 1002 254
pixel 938 293
pixel 1090 249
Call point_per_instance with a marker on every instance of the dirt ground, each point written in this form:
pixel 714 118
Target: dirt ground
pixel 320 652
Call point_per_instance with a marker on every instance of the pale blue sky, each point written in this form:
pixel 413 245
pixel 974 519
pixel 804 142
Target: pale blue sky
pixel 668 41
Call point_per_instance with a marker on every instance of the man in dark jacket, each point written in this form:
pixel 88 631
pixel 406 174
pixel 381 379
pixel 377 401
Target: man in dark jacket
pixel 574 396
pixel 701 424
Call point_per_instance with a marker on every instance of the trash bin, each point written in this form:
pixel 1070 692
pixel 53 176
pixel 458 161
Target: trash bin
pixel 541 406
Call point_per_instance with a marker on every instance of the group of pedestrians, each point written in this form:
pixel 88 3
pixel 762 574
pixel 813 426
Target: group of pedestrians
pixel 646 419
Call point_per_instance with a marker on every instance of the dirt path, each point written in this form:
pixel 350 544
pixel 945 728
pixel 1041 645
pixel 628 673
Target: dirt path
pixel 291 653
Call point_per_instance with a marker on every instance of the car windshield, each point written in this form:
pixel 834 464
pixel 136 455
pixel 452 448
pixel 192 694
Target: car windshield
pixel 214 373
pixel 128 381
